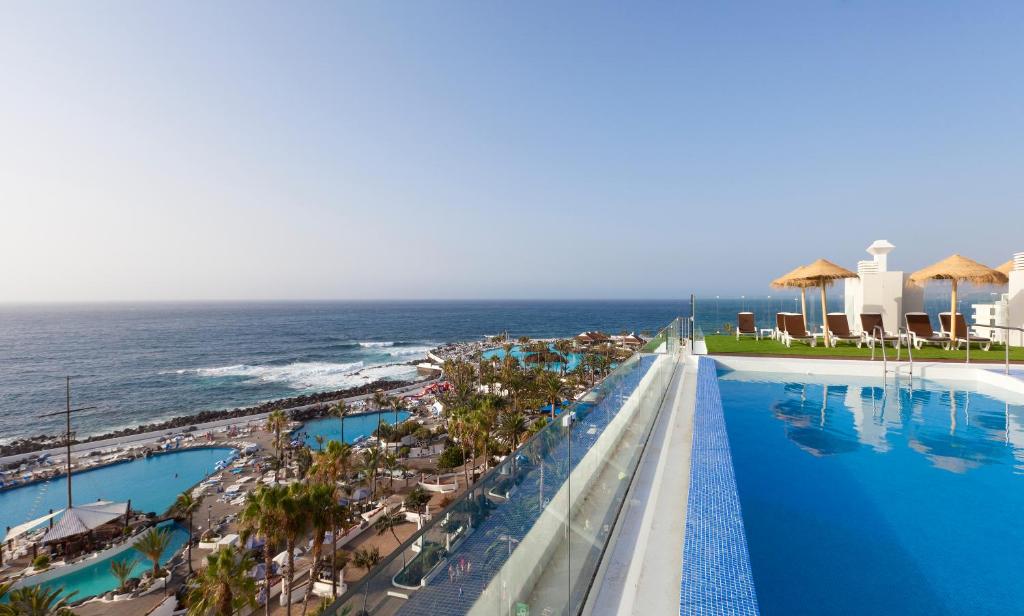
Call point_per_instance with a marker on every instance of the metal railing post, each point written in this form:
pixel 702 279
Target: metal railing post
pixel 885 362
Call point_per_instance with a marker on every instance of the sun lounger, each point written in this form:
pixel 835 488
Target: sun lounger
pixel 963 332
pixel 796 330
pixel 780 325
pixel 746 326
pixel 921 332
pixel 839 329
pixel 869 324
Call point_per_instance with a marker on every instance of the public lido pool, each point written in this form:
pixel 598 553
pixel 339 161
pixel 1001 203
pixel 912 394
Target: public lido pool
pixel 863 499
pixel 152 484
pixel 97 578
pixel 517 352
pixel 357 427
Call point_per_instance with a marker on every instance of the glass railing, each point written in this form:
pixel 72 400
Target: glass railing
pixel 528 536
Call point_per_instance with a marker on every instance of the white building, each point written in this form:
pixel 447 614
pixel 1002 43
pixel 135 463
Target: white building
pixel 878 290
pixel 1007 310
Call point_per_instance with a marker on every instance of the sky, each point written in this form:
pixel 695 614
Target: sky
pixel 246 150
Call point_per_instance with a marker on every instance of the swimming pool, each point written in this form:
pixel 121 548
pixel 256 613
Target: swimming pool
pixel 356 426
pixel 151 483
pixel 520 355
pixel 97 578
pixel 862 499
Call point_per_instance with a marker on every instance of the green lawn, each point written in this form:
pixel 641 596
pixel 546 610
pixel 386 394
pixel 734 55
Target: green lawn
pixel 723 344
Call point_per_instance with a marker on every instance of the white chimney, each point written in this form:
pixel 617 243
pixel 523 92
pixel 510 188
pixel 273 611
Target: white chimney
pixel 880 250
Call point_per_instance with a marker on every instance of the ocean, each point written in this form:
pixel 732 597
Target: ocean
pixel 140 363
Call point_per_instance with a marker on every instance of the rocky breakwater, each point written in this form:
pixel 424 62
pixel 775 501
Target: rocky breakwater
pixel 305 406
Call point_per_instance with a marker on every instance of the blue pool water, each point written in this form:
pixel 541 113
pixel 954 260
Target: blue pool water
pixel 859 499
pixel 520 355
pixel 152 484
pixel 355 426
pixel 97 578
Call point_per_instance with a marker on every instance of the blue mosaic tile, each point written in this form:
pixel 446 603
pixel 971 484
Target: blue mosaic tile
pixel 716 564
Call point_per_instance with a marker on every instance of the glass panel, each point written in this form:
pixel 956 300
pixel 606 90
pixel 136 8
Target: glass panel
pixel 529 535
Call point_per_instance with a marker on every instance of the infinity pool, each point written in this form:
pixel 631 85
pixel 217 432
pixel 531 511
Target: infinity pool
pixel 151 483
pixel 859 499
pixel 356 426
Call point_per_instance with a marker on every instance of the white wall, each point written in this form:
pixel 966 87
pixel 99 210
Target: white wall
pixel 888 293
pixel 1016 306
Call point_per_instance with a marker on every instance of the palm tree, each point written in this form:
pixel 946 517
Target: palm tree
pixel 186 505
pixel 512 427
pixel 399 405
pixel 152 546
pixel 37 601
pixel 366 559
pixel 261 516
pixel 486 419
pixel 370 463
pixel 388 521
pixel 5 610
pixel 379 400
pixel 294 524
pixel 390 464
pixel 319 507
pixel 319 438
pixel 122 570
pixel 340 410
pixel 553 387
pixel 277 421
pixel 224 587
pixel 331 466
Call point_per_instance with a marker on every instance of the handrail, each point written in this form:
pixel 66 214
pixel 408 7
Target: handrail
pixel 880 339
pixel 910 349
pixel 1006 343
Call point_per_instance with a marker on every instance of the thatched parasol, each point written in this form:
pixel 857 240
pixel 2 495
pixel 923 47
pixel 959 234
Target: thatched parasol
pixel 1006 268
pixel 823 273
pixel 959 269
pixel 793 280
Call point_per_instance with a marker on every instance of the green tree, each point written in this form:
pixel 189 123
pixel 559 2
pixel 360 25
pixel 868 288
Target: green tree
pixel 277 421
pixel 512 427
pixel 339 410
pixel 152 546
pixel 369 465
pixel 553 389
pixel 122 570
pixel 366 558
pixel 388 522
pixel 320 504
pixel 294 524
pixel 224 587
pixel 261 517
pixel 185 506
pixel 331 467
pixel 37 601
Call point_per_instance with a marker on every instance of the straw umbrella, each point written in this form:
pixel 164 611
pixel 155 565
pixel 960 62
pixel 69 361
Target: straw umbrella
pixel 792 280
pixel 822 273
pixel 959 269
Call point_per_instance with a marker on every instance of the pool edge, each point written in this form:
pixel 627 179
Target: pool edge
pixel 717 577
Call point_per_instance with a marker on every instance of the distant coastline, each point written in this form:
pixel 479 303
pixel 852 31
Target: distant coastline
pixel 304 407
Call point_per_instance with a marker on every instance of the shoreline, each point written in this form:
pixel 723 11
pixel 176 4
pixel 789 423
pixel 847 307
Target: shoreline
pixel 25 448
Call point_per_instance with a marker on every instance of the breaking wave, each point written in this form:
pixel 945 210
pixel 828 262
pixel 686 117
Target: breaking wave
pixel 298 375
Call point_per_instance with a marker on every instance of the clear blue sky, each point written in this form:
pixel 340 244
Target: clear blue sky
pixel 461 150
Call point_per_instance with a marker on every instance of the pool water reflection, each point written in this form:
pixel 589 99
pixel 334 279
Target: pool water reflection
pixel 863 499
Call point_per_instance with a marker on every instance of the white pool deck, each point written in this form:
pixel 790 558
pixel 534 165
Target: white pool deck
pixel 641 573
